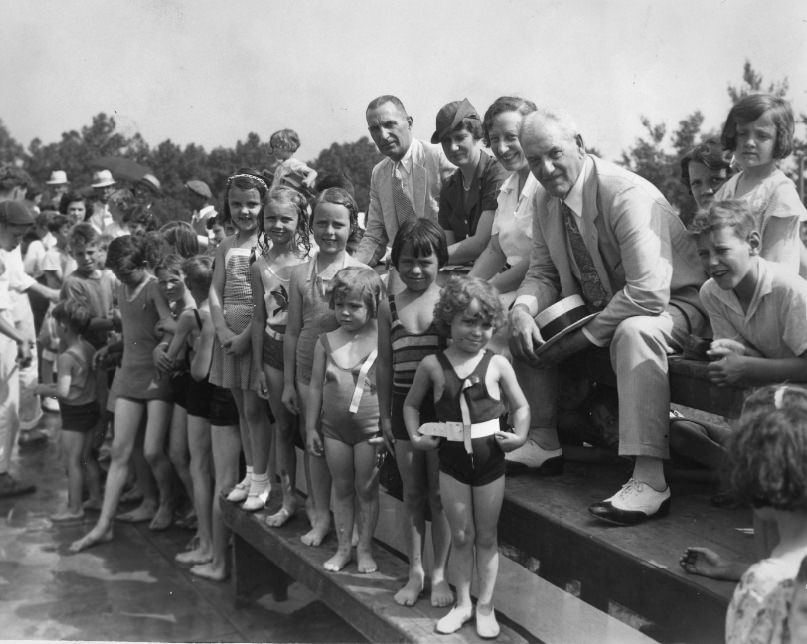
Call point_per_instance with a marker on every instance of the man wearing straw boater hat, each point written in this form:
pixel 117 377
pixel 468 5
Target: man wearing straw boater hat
pixel 608 236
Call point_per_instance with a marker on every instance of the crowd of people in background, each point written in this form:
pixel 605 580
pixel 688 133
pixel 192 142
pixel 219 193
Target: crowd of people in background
pixel 440 334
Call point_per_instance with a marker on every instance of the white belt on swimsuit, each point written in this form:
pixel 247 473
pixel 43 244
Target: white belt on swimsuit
pixel 466 430
pixel 355 401
pixel 453 431
pixel 271 333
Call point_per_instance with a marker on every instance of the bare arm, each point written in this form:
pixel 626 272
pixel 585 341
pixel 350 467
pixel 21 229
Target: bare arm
pixel 517 403
pixel 294 323
pixel 216 296
pixel 471 247
pixel 422 386
pixel 258 325
pixel 64 378
pixel 383 372
pixel 203 356
pixel 313 408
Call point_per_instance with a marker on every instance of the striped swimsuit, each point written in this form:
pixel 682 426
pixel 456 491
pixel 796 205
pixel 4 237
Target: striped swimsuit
pixel 408 349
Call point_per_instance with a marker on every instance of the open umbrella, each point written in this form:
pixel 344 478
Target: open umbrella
pixel 121 168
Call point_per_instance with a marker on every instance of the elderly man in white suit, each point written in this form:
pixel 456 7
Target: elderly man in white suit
pixel 404 185
pixel 610 236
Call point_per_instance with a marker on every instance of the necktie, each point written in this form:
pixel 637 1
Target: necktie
pixel 594 292
pixel 403 205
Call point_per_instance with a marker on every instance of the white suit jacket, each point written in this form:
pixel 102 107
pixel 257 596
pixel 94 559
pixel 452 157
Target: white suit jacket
pixel 429 169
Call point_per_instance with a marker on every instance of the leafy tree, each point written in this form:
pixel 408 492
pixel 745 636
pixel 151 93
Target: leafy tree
pixel 355 160
pixel 11 151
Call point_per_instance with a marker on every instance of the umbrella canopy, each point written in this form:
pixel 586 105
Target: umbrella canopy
pixel 121 168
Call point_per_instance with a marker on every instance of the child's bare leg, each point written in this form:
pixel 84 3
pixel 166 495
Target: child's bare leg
pixel 412 466
pixel 157 421
pixel 128 415
pixel 366 485
pixel 339 457
pixel 441 593
pixel 319 488
pixel 72 444
pixel 285 426
pixel 92 472
pixel 144 488
pixel 199 446
pixel 178 453
pixel 254 412
pixel 240 494
pixel 226 448
pixel 458 505
pixel 487 500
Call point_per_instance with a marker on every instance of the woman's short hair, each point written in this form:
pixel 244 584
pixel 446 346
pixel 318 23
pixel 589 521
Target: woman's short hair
pixel 708 153
pixel 359 280
pixel 502 105
pixel 425 238
pixel 768 450
pixel 457 295
pixel 748 109
pixel 73 197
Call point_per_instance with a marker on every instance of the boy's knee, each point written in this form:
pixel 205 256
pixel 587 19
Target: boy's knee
pixel 486 539
pixel 463 538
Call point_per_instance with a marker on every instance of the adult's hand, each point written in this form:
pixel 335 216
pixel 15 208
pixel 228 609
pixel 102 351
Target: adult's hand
pixel 524 334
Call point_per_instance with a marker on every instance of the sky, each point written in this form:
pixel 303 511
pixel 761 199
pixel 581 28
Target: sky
pixel 198 71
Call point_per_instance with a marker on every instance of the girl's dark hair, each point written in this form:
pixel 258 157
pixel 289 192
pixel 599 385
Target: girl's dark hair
pixel 358 279
pixel 500 106
pixel 198 272
pixel 748 109
pixel 182 237
pixel 171 263
pixel 425 237
pixel 73 314
pixel 768 450
pixel 126 252
pixel 709 154
pixel 457 296
pixel 57 222
pixel 72 197
pixel 244 179
pixel 340 197
pixel 290 197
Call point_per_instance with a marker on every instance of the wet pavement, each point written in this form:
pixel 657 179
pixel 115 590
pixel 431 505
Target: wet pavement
pixel 129 589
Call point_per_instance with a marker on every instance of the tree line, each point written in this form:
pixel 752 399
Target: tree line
pixel 653 155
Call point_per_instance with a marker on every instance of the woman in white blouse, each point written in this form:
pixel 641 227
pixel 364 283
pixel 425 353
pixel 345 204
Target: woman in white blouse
pixel 505 260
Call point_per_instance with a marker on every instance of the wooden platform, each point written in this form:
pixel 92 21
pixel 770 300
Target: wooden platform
pixel 264 556
pixel 547 520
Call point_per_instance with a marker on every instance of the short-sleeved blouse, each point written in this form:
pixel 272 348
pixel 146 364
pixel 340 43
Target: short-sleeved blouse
pixel 776 196
pixel 514 214
pixel 460 209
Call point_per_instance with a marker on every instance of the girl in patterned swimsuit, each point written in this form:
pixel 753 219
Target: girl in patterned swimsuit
pixel 285 226
pixel 342 401
pixel 231 308
pixel 467 382
pixel 406 335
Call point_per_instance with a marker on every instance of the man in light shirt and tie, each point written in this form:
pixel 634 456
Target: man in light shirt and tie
pixel 404 185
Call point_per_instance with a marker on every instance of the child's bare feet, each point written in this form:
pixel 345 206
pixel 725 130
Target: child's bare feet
pixel 702 561
pixel 132 495
pixel 441 594
pixel 317 534
pixel 163 518
pixel 143 512
pixel 338 561
pixel 211 572
pixel 95 536
pixel 195 557
pixel 409 594
pixel 365 562
pixel 66 514
pixel 280 517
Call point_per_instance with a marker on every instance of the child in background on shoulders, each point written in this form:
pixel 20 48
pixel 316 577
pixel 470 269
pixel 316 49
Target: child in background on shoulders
pixel 284 144
pixel 78 403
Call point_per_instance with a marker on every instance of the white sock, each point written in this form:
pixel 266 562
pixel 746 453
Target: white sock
pixel 248 477
pixel 258 483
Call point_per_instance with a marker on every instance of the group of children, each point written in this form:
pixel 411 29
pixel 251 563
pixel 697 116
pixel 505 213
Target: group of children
pixel 284 315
